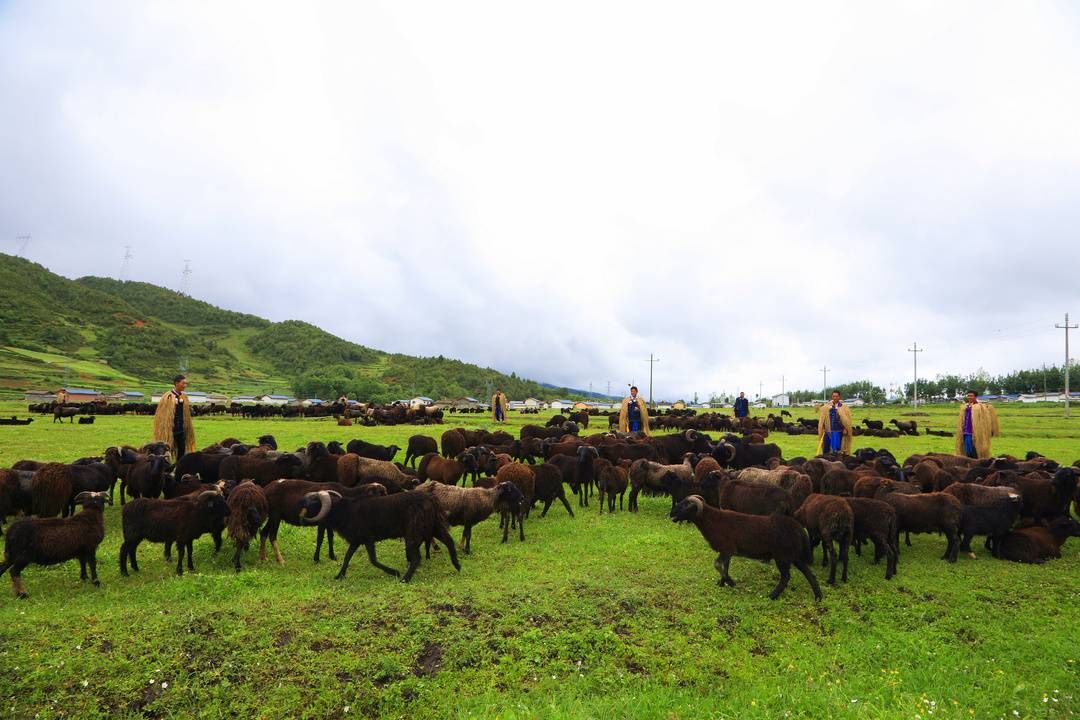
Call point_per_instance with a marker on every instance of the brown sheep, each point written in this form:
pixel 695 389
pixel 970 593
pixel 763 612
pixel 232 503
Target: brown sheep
pixel 523 478
pixel 929 512
pixel 705 466
pixel 826 518
pixel 611 480
pixel 51 489
pixel 248 510
pixel 875 520
pixel 440 469
pixel 453 443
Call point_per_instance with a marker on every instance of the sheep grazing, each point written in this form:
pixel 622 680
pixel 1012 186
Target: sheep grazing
pixel 50 541
pixel 650 478
pixel 994 520
pixel 827 518
pixel 874 424
pixel 778 538
pixel 928 512
pixel 611 480
pixel 1038 544
pixel 906 427
pixel 549 487
pixel 747 497
pixel 413 516
pixel 283 504
pixel 371 450
pixel 469 506
pixel 875 520
pixel 181 520
pixel 418 446
pixel 354 470
pixel 248 511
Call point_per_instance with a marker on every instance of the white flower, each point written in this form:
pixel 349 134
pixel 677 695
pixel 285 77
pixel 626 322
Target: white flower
pixel 85 683
pixel 164 685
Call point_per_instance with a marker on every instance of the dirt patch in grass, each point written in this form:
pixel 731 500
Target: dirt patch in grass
pixel 429 661
pixel 283 638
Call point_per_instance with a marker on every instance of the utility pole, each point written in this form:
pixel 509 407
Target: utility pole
pixel 824 381
pixel 760 385
pixel 781 384
pixel 915 350
pixel 1066 327
pixel 126 263
pixel 609 388
pixel 652 361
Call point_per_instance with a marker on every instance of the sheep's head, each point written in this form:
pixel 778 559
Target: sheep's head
pixel 371 490
pixel 334 448
pixel 508 493
pixel 315 506
pixel 290 465
pixel 724 453
pixel 95 500
pixel 213 501
pixel 689 509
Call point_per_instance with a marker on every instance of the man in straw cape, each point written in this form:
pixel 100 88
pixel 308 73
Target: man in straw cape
pixel 172 420
pixel 834 427
pixel 978 422
pixel 498 406
pixel 633 415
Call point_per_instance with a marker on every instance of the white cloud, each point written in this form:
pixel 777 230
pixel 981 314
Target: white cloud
pixel 747 193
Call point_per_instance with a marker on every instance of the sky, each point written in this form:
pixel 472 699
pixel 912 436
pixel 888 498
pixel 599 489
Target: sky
pixel 748 191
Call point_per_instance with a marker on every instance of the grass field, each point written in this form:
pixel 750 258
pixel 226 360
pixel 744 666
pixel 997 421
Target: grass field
pixel 591 617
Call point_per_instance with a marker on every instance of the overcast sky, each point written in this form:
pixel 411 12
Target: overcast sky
pixel 746 190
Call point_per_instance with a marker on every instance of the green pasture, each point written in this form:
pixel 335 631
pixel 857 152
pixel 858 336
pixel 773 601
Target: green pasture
pixel 594 616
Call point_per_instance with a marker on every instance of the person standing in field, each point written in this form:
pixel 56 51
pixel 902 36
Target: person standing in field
pixel 172 420
pixel 742 406
pixel 498 406
pixel 633 415
pixel 834 427
pixel 978 422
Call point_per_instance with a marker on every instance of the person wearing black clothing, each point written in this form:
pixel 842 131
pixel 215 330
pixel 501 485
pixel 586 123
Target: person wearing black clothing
pixel 742 406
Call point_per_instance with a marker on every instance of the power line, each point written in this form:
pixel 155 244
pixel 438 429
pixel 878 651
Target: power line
pixel 1066 327
pixel 915 350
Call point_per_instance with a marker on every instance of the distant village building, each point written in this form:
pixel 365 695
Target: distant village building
pixel 781 400
pixel 38 396
pixel 558 404
pixel 420 401
pixel 272 399
pixel 242 399
pixel 78 396
pixel 127 396
pixel 532 403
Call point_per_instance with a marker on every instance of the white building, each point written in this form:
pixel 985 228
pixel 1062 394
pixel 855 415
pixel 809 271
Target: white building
pixel 781 400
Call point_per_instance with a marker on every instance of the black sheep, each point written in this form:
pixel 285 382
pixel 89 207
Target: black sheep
pixel 181 520
pixel 993 520
pixel 50 541
pixel 418 446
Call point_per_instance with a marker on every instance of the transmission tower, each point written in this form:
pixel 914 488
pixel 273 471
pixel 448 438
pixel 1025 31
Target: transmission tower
pixel 126 264
pixel 185 282
pixel 23 241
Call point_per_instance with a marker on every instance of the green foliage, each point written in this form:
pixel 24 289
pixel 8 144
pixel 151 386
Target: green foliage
pixel 292 347
pixel 333 381
pixel 152 301
pixel 612 616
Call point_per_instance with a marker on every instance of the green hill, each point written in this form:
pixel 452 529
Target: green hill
pixel 113 335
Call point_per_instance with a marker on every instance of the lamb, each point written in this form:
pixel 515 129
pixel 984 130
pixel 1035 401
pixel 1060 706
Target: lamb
pixel 370 450
pixel 704 466
pixel 578 472
pixel 611 480
pixel 469 506
pixel 413 516
pixel 549 487
pixel 418 446
pixel 444 470
pixel 826 518
pixel 928 512
pixel 747 497
pixel 248 511
pixel 50 541
pixel 874 424
pixel 145 478
pixel 993 520
pixel 1037 544
pixel 650 477
pixel 778 538
pixel 523 478
pixel 875 520
pixel 262 471
pixel 181 521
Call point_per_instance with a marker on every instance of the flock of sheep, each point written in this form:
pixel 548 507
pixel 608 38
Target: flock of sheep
pixel 743 497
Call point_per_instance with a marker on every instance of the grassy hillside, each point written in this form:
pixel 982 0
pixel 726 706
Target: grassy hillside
pixel 112 335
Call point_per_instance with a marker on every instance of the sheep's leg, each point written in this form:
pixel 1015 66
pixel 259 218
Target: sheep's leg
pixel 345 562
pixel 721 563
pixel 330 543
pixel 907 538
pixel 600 501
pixel 412 554
pixel 385 568
pixel 785 578
pixel 82 567
pixel 965 544
pixel 262 541
pixel 562 499
pixel 318 542
pixel 190 552
pixel 277 551
pixel 809 575
pixel 632 503
pixel 236 558
pixel 844 557
pixel 620 499
pixel 521 528
pixel 168 549
pixel 92 560
pixel 216 535
pixel 506 527
pixel 953 547
pixel 827 548
pixel 547 504
pixel 466 539
pixel 180 558
pixel 890 563
pixel 16 581
pixel 132 557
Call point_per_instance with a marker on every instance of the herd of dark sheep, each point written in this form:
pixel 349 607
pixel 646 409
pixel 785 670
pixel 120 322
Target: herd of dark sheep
pixel 741 494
